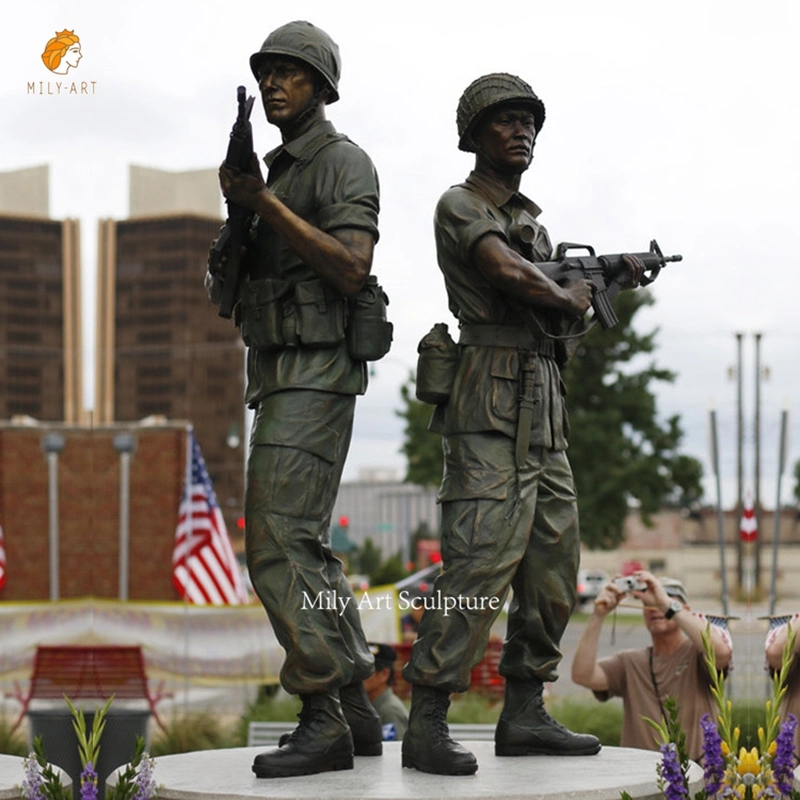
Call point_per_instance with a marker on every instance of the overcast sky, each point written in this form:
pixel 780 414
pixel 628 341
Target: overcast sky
pixel 676 121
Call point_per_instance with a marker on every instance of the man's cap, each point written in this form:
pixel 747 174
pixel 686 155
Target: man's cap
pixel 385 656
pixel 674 588
pixel 309 44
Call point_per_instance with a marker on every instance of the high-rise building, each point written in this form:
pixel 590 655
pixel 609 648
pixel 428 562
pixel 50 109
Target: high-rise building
pixel 40 303
pixel 161 348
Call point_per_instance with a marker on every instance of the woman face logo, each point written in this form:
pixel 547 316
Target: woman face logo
pixel 62 52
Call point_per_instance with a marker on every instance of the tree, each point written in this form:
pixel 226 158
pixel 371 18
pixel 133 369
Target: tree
pixel 422 449
pixel 368 557
pixel 619 451
pixel 797 482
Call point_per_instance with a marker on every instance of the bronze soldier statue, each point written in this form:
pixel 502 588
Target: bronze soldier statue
pixel 509 511
pixel 309 255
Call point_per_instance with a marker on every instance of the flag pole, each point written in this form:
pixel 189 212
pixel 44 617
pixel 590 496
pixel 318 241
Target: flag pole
pixel 188 566
pixel 720 521
pixel 773 591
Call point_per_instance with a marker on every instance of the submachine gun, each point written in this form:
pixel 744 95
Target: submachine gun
pixel 226 252
pixel 608 273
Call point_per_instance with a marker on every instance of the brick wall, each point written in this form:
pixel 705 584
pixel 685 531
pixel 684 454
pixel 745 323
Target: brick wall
pixel 89 511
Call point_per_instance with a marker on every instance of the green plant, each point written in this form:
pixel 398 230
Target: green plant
pixel 190 732
pixel 603 721
pixel 42 782
pixel 12 742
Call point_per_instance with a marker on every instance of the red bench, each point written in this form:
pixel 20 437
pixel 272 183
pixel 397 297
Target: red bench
pixel 88 672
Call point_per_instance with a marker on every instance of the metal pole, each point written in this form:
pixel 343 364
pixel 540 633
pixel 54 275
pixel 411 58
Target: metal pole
pixel 720 521
pixel 773 592
pixel 757 439
pixel 739 457
pixel 53 444
pixel 187 564
pixel 124 444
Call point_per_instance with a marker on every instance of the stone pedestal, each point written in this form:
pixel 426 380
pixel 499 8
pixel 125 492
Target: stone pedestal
pixel 226 775
pixel 12 775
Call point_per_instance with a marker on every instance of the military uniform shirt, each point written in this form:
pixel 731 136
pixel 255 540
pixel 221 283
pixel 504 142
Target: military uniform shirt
pixel 331 183
pixel 485 395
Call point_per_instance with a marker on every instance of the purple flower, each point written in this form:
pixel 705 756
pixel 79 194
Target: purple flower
pixel 32 783
pixel 89 782
pixel 714 763
pixel 783 762
pixel 145 783
pixel 671 773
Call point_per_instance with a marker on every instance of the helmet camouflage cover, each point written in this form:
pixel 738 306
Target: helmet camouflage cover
pixel 488 91
pixel 309 44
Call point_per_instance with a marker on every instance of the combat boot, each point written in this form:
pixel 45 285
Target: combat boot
pixel 363 719
pixel 526 729
pixel 322 742
pixel 427 745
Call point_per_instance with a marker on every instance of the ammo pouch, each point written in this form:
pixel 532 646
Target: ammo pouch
pixel 320 314
pixel 369 333
pixel 436 365
pixel 262 314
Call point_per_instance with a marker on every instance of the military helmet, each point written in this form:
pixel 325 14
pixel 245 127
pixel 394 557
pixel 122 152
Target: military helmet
pixel 488 91
pixel 310 44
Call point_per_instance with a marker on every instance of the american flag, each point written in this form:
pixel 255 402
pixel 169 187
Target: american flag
pixel 2 560
pixel 204 568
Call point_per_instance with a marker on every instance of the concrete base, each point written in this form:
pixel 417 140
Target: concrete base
pixel 227 775
pixel 12 774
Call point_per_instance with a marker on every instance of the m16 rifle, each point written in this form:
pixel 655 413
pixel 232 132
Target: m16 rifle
pixel 608 273
pixel 226 252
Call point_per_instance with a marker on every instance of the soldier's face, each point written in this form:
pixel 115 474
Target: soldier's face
pixel 505 138
pixel 287 89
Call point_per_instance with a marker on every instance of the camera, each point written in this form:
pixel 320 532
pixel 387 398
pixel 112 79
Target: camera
pixel 629 584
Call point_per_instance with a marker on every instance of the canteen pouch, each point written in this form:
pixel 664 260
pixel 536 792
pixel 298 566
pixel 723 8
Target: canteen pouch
pixel 262 310
pixel 320 313
pixel 437 364
pixel 369 333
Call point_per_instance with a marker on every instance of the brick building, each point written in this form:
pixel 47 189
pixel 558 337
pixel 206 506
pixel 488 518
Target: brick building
pixel 161 348
pixel 76 472
pixel 40 308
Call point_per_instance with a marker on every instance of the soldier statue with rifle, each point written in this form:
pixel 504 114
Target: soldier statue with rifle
pixel 509 507
pixel 293 268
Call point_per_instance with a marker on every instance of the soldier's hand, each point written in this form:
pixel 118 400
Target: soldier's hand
pixel 240 187
pixel 579 296
pixel 635 270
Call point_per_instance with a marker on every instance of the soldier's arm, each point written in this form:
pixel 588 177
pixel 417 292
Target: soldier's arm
pixel 518 277
pixel 342 259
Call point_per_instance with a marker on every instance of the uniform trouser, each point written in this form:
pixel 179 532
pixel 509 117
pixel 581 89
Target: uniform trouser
pixel 522 531
pixel 289 500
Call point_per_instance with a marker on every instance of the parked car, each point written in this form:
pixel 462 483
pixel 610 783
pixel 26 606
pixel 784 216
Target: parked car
pixel 590 582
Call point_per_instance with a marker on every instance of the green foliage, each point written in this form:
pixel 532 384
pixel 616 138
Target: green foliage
pixel 797 481
pixel 618 448
pixel 368 558
pixel 603 720
pixel 12 743
pixel 390 571
pixel 422 449
pixel 190 732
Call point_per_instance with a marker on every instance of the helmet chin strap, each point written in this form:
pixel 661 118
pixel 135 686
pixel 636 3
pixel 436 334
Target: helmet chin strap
pixel 310 110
